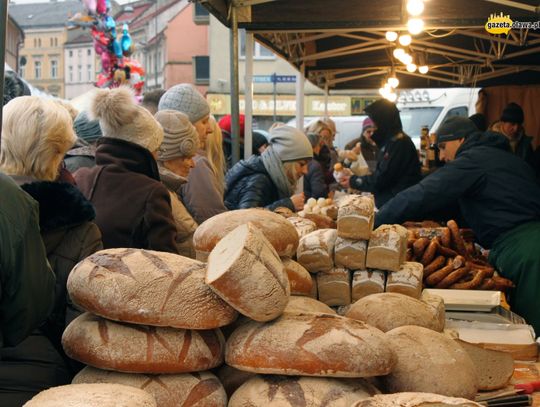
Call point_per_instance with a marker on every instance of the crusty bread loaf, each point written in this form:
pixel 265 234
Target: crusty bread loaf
pixel 302 225
pixel 148 287
pixel 307 305
pixel 310 345
pixel 350 253
pixel 316 250
pixel 169 390
pixel 232 378
pixel 494 368
pixel 407 280
pixel 387 311
pixel 367 282
pixel 128 348
pixel 430 362
pixel 321 221
pixel 334 286
pixel 299 278
pixel 414 400
pixel 245 270
pixel 387 248
pixel 278 230
pixel 355 217
pixel 293 391
pixel 314 293
pixel 92 395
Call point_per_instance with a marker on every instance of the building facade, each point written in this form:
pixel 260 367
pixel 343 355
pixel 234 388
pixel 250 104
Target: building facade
pixel 44 26
pixel 79 64
pixel 14 39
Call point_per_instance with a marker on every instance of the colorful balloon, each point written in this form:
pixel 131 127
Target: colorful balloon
pixel 101 6
pixel 126 39
pixel 90 5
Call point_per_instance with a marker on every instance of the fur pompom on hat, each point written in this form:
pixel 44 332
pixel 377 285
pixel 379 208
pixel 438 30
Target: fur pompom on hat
pixel 290 144
pixel 186 99
pixel 119 117
pixel 180 136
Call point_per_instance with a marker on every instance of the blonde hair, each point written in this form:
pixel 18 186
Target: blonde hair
pixel 73 112
pixel 36 134
pixel 318 126
pixel 214 153
pixel 291 172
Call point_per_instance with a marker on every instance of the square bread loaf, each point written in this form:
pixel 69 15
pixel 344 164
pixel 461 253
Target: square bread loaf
pixel 387 248
pixel 366 282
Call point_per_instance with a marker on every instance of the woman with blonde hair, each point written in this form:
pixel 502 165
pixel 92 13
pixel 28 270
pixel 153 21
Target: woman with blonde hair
pixel 215 154
pixel 36 133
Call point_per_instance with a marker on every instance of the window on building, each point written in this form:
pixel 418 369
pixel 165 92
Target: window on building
pixel 54 69
pixel 79 53
pixel 90 72
pixel 200 14
pixel 37 69
pixel 39 42
pixel 70 73
pixel 35 42
pixel 150 65
pixel 158 62
pixel 89 52
pixel 55 42
pixel 79 71
pixel 51 40
pixel 259 51
pixel 21 71
pixel 70 53
pixel 201 69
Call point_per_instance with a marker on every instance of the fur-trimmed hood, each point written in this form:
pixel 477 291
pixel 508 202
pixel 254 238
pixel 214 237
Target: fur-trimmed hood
pixel 60 204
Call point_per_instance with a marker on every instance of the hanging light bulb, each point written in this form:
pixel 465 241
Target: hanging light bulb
pixel 391 36
pixel 415 26
pixel 398 53
pixel 423 69
pixel 405 40
pixel 407 59
pixel 393 82
pixel 382 91
pixel 392 97
pixel 415 7
pixel 411 67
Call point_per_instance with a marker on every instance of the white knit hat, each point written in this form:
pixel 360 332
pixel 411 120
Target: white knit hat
pixel 119 117
pixel 180 136
pixel 186 99
pixel 290 144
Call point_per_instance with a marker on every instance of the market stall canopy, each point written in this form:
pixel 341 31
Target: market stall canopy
pixel 342 44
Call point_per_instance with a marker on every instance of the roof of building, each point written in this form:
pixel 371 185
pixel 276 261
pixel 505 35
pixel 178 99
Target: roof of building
pixel 44 15
pixel 83 38
pixel 127 16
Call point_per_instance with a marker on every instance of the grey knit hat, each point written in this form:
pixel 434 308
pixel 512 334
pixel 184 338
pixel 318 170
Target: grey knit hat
pixel 180 136
pixel 88 130
pixel 455 128
pixel 290 144
pixel 186 99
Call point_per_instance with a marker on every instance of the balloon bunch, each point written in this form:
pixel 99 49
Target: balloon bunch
pixel 117 66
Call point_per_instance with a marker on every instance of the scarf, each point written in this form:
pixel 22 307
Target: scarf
pixel 275 170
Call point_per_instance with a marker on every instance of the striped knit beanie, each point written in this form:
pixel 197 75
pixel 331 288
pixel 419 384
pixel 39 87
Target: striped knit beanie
pixel 180 136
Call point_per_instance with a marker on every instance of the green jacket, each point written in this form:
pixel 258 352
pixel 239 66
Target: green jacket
pixel 26 279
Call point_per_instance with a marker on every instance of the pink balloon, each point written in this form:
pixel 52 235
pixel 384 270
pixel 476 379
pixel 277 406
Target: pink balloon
pixel 101 6
pixel 105 61
pixel 90 5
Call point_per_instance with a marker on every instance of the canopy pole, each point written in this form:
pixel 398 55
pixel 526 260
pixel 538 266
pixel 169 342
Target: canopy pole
pixel 235 98
pixel 248 97
pixel 325 98
pixel 4 21
pixel 300 77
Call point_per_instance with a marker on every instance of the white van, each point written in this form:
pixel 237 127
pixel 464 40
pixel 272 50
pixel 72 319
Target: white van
pixel 431 107
pixel 347 127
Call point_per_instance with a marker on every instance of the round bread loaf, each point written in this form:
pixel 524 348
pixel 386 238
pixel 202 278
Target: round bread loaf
pixel 232 378
pixel 245 270
pixel 310 345
pixel 429 362
pixel 387 311
pixel 127 348
pixel 307 305
pixel 278 230
pixel 299 278
pixel 148 287
pixel 302 225
pixel 92 395
pixel 414 400
pixel 293 391
pixel 169 390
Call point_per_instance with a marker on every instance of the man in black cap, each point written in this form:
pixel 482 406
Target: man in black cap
pixel 512 127
pixel 498 197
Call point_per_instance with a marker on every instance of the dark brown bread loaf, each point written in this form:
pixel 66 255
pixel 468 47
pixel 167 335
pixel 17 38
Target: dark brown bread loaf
pixel 430 362
pixel 141 349
pixel 92 395
pixel 310 345
pixel 169 390
pixel 387 311
pixel 148 287
pixel 414 400
pixel 293 391
pixel 246 272
pixel 278 230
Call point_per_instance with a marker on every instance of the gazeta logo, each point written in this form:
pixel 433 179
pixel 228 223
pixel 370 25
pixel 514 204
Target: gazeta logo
pixel 498 24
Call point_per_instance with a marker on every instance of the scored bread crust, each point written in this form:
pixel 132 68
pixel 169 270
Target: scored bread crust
pixel 110 345
pixel 411 399
pixel 148 287
pixel 310 345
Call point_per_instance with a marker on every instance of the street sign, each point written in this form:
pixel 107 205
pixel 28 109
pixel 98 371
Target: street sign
pixel 262 78
pixel 274 78
pixel 285 78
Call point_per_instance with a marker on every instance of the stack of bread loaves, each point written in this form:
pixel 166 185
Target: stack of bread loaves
pixel 354 261
pixel 152 323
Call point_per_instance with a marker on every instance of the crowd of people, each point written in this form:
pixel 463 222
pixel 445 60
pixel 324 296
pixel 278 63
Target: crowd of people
pixel 145 176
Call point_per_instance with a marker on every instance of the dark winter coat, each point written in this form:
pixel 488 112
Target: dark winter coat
pixel 327 157
pixel 133 207
pixel 398 166
pixel 249 186
pixel 314 185
pixel 81 155
pixel 495 189
pixel 523 149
